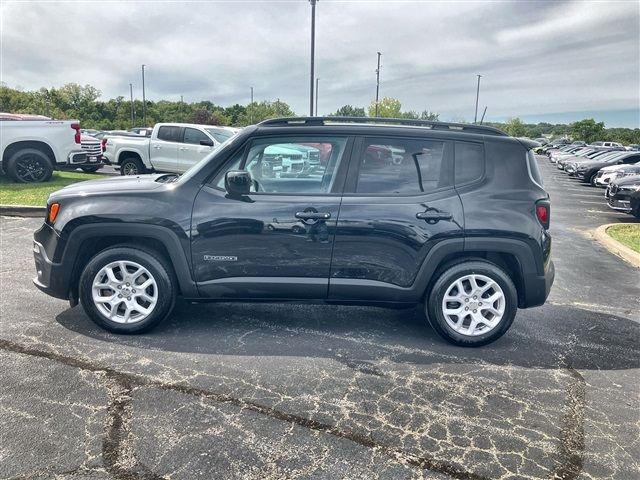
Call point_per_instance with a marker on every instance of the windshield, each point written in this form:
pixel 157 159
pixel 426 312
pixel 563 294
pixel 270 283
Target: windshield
pixel 220 135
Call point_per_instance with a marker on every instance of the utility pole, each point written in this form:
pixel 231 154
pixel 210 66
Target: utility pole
pixel 378 82
pixel 131 93
pixel 144 100
pixel 317 80
pixel 313 53
pixel 475 117
pixel 251 107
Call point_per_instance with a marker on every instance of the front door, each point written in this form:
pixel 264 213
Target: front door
pixel 399 201
pixel 191 151
pixel 163 150
pixel 277 240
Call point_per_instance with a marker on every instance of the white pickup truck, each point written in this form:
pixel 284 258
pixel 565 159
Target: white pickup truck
pixel 173 147
pixel 32 146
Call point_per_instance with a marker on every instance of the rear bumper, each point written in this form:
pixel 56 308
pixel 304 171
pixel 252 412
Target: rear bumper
pixel 537 287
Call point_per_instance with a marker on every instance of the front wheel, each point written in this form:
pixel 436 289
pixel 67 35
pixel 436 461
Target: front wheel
pixel 127 290
pixel 472 303
pixel 592 179
pixel 132 166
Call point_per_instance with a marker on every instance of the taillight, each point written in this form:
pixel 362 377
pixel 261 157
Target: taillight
pixel 76 127
pixel 104 144
pixel 54 208
pixel 543 213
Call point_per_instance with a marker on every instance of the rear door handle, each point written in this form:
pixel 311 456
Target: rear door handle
pixel 433 216
pixel 183 148
pixel 157 147
pixel 313 215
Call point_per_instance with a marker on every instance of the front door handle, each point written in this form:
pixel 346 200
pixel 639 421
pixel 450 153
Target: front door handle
pixel 157 147
pixel 182 149
pixel 313 215
pixel 433 216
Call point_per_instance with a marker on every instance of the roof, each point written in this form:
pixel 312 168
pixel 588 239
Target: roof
pixel 386 122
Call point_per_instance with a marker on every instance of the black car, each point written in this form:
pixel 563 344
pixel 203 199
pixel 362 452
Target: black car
pixel 588 170
pixel 623 194
pixel 458 222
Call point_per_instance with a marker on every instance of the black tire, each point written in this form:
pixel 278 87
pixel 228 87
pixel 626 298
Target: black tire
pixel 90 169
pixel 436 317
pixel 592 179
pixel 153 263
pixel 132 166
pixel 29 166
pixel 635 208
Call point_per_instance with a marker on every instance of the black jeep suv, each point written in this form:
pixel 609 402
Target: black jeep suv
pixel 389 213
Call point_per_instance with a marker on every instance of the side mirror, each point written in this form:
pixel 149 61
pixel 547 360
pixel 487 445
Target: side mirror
pixel 206 143
pixel 237 182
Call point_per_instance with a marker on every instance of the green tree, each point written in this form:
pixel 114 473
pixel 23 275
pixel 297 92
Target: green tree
pixel 587 130
pixel 387 107
pixel 515 127
pixel 349 111
pixel 429 115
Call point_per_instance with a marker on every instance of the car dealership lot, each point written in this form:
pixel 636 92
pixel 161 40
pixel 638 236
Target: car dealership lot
pixel 283 391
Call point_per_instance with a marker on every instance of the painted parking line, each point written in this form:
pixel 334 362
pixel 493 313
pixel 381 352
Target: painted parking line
pixel 593 203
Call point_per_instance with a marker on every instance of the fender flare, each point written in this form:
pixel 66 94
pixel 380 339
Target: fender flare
pixel 168 238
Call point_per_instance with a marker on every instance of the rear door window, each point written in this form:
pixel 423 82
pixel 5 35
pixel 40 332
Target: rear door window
pixel 170 133
pixel 403 166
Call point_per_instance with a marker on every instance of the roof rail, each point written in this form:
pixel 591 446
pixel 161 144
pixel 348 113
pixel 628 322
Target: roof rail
pixel 318 121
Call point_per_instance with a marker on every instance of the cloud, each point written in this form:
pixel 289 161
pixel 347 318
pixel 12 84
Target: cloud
pixel 535 57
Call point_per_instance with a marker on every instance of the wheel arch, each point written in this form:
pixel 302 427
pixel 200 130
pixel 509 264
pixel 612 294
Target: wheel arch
pixel 123 155
pixel 15 147
pixel 87 241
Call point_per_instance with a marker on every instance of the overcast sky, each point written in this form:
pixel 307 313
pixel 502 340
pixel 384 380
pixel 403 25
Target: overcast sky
pixel 540 60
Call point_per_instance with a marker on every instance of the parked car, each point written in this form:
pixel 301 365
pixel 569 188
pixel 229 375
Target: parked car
pixel 461 225
pixel 623 194
pixel 605 144
pixel 33 146
pixel 541 140
pixel 632 146
pixel 607 174
pixel 172 147
pixel 588 170
pixel 93 149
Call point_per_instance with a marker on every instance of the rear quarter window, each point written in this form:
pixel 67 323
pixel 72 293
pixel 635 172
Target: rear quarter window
pixel 469 162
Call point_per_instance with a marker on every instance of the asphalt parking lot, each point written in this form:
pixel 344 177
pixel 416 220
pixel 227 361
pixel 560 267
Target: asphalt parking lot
pixel 272 391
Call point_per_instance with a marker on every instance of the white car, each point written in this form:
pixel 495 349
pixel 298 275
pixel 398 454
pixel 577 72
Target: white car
pixel 173 147
pixel 607 174
pixel 32 146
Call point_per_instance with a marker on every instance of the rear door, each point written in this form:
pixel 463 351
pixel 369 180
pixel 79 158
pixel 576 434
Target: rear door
pixel 191 150
pixel 163 149
pixel 399 201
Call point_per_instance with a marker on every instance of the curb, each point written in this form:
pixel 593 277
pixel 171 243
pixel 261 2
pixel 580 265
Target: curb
pixel 615 246
pixel 22 211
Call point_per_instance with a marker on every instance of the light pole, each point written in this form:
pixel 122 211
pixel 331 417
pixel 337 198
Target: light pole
pixel 317 80
pixel 144 100
pixel 475 117
pixel 251 107
pixel 378 82
pixel 313 48
pixel 131 93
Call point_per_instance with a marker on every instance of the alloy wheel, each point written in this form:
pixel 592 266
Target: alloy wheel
pixel 124 292
pixel 30 168
pixel 473 305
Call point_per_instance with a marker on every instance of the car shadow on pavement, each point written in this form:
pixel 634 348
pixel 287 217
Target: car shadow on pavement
pixel 547 337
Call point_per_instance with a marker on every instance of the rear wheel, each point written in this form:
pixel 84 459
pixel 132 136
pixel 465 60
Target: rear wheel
pixel 127 290
pixel 132 166
pixel 29 166
pixel 472 303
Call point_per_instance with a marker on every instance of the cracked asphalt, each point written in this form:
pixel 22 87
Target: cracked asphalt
pixel 271 391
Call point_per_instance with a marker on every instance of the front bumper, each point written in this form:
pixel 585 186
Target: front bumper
pixel 81 159
pixel 51 277
pixel 621 203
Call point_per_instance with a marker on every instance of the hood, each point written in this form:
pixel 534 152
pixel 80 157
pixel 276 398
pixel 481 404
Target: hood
pixel 627 180
pixel 111 185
